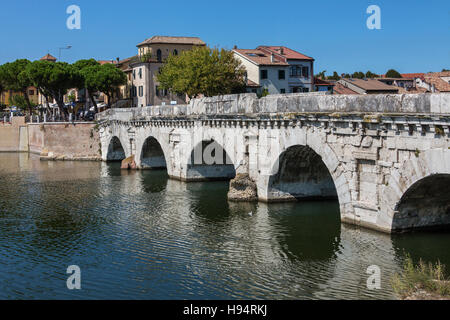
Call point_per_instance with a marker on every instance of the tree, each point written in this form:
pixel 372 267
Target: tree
pixel 54 79
pixel 14 78
pixel 105 78
pixel 83 66
pixel 393 74
pixel 358 75
pixel 371 75
pixel 335 76
pixel 203 70
pixel 18 101
pixel 321 75
pixel 2 85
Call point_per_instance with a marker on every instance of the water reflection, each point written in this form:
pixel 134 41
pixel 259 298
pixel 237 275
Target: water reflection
pixel 140 235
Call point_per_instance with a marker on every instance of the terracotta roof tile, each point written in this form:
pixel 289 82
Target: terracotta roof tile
pixel 413 75
pixel 260 57
pixel 250 83
pixel 48 57
pixel 173 40
pixel 320 82
pixel 286 52
pixel 340 89
pixel 371 84
pixel 434 79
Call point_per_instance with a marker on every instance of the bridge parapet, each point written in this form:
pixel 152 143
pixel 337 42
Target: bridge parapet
pixel 250 105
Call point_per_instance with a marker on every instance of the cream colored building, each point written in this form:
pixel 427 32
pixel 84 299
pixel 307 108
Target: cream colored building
pixel 151 56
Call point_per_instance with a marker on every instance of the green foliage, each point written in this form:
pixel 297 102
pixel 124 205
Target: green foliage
pixel 145 57
pixel 71 97
pixel 335 76
pixel 264 92
pixel 203 70
pixel 104 78
pixel 370 75
pixel 13 77
pixel 18 101
pixel 321 75
pixel 82 64
pixel 358 75
pixel 429 277
pixel 54 79
pixel 393 74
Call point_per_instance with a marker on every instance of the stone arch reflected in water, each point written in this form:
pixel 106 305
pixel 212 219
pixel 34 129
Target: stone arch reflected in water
pixel 116 151
pixel 425 205
pixel 209 161
pixel 152 155
pixel 301 175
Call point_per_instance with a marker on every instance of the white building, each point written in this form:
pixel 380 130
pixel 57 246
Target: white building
pixel 277 69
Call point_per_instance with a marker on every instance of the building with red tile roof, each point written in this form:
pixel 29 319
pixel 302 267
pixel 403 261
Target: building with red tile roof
pixel 367 86
pixel 277 69
pixel 48 57
pixel 341 89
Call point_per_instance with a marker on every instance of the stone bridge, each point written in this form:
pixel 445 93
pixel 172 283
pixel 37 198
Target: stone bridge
pixel 385 158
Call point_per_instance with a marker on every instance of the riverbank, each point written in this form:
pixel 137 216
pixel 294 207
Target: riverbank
pixel 52 140
pixel 424 281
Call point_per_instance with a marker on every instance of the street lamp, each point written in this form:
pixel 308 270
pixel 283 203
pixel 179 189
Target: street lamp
pixel 63 48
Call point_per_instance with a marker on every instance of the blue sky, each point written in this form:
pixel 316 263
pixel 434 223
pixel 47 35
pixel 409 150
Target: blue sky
pixel 415 34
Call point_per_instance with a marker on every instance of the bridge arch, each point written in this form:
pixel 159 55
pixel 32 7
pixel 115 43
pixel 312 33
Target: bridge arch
pixel 417 195
pixel 152 154
pixel 116 150
pixel 209 160
pixel 315 166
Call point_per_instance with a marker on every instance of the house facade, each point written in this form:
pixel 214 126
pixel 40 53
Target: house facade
pixel 276 69
pixel 152 53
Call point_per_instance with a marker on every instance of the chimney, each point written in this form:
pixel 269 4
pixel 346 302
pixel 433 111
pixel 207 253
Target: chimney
pixel 235 47
pixel 272 58
pixel 281 50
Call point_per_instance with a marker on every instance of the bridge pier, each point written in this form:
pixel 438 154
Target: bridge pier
pixel 385 158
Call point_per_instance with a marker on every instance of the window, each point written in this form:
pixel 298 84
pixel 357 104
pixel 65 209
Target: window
pixel 31 92
pixel 175 52
pixel 159 55
pixel 305 72
pixel 282 90
pixel 157 91
pixel 140 73
pixel 263 74
pixel 141 91
pixel 133 91
pixel 134 74
pixel 299 71
pixel 281 74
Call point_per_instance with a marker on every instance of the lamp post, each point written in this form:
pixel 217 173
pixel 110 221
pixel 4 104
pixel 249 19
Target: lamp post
pixel 63 48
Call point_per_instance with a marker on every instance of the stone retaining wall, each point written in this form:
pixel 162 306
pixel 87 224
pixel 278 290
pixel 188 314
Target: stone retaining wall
pixel 65 141
pixel 54 141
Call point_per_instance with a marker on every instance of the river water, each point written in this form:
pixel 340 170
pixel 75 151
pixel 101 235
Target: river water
pixel 140 235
